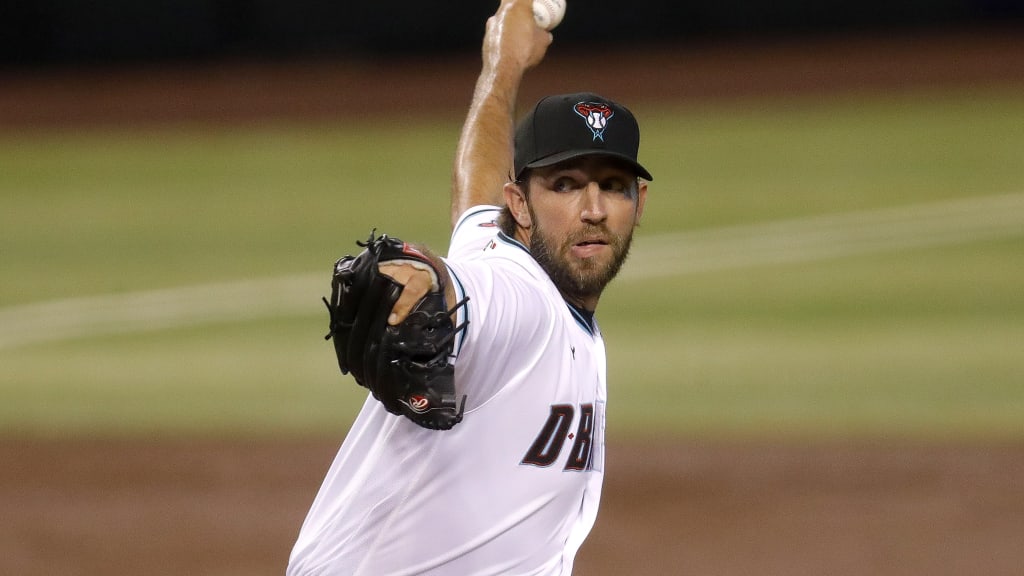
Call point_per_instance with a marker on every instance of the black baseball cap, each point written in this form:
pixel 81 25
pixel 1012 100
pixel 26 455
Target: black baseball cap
pixel 567 126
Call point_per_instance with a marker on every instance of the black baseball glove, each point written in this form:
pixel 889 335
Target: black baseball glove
pixel 407 367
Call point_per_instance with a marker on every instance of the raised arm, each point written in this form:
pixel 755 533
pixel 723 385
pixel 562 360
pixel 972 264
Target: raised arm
pixel 513 43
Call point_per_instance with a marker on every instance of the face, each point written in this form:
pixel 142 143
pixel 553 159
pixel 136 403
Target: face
pixel 580 216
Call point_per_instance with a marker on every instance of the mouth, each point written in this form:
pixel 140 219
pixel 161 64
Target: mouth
pixel 589 247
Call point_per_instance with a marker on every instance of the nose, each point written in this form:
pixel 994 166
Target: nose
pixel 593 209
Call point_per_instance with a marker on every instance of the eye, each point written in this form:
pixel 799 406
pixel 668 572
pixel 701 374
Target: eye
pixel 615 185
pixel 564 184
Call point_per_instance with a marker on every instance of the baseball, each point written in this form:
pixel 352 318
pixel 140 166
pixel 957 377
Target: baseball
pixel 548 13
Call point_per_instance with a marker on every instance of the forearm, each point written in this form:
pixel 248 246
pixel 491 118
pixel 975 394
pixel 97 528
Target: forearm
pixel 483 159
pixel 512 44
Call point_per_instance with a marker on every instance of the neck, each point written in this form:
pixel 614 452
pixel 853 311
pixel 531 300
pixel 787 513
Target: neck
pixel 588 303
pixel 523 235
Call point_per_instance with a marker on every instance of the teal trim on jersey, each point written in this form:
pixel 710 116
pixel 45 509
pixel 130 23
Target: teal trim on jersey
pixel 584 318
pixel 510 240
pixel 460 293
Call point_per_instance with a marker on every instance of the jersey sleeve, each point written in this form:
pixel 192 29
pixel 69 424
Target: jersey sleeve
pixel 508 323
pixel 511 308
pixel 473 231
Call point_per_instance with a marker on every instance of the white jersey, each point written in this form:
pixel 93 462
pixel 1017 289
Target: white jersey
pixel 514 487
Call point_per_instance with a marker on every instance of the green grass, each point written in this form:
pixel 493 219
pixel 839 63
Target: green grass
pixel 747 162
pixel 105 212
pixel 243 378
pixel 925 342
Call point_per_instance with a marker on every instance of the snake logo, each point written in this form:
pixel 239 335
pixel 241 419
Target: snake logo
pixel 596 115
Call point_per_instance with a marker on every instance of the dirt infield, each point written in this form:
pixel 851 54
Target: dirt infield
pixel 82 506
pixel 227 507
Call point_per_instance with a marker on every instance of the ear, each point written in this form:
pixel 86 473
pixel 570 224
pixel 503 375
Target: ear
pixel 515 199
pixel 641 199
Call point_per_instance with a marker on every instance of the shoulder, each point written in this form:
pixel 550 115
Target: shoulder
pixel 509 295
pixel 474 229
pixel 480 253
pixel 477 237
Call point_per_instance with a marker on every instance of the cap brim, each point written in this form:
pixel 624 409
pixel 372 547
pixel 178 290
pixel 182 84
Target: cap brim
pixel 572 154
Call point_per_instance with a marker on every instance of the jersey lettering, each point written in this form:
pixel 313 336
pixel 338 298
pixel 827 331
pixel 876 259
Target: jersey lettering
pixel 548 445
pixel 579 457
pixel 546 448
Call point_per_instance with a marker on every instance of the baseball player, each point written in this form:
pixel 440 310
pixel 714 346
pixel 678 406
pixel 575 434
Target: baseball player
pixel 480 449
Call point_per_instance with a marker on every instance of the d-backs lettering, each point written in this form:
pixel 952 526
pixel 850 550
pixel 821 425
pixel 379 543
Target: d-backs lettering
pixel 553 435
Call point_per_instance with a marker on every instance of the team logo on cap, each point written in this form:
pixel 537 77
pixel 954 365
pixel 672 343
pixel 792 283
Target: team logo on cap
pixel 596 115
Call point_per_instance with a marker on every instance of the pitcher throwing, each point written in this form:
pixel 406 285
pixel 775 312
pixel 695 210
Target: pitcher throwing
pixel 480 449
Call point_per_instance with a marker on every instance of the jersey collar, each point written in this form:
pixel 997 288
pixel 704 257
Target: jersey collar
pixel 583 317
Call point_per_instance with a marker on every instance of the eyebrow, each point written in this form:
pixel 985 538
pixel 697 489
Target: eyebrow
pixel 581 164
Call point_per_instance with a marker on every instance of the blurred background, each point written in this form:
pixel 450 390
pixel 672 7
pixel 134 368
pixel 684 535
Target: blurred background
pixel 816 349
pixel 76 31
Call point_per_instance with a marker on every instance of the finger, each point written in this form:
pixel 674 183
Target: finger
pixel 416 285
pixel 414 291
pixel 509 27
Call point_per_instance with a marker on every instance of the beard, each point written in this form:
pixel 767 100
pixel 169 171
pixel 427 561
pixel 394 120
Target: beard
pixel 579 278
